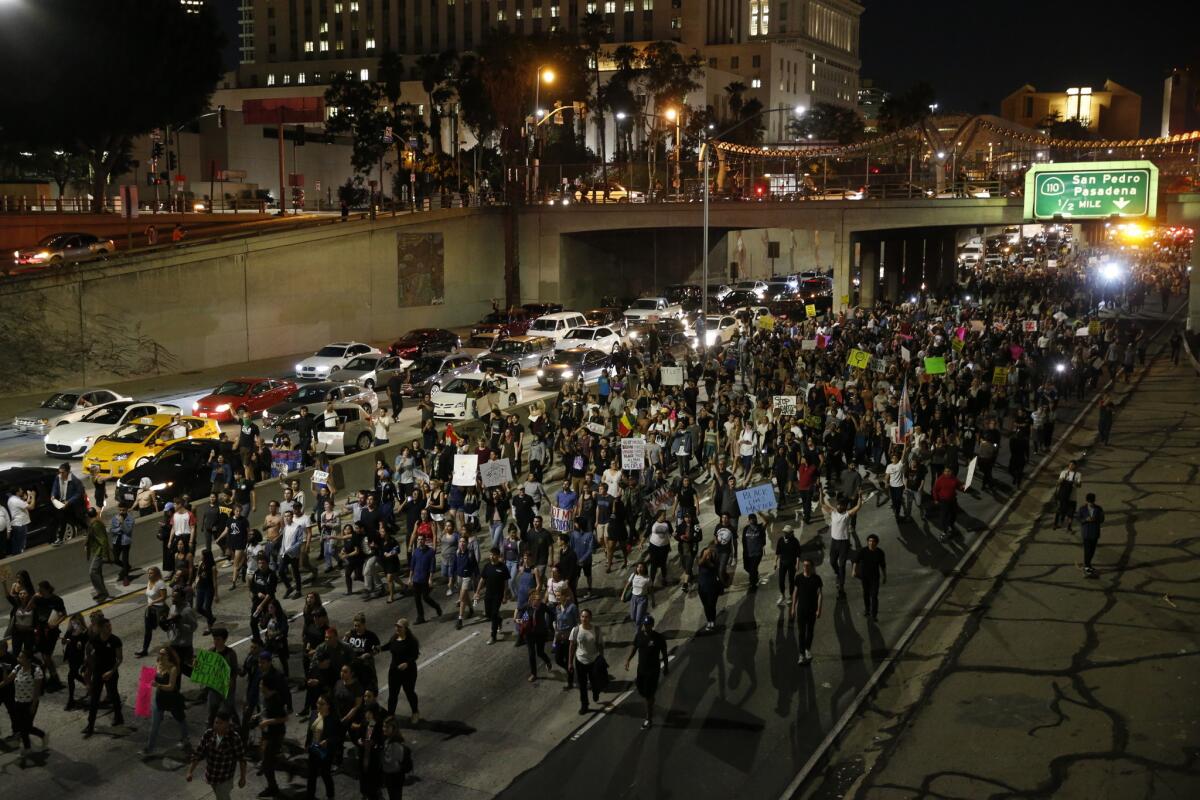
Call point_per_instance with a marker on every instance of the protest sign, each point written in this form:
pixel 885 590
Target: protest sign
pixel 957 344
pixel 766 322
pixel 756 498
pixel 970 473
pixel 672 376
pixel 935 366
pixel 879 364
pixel 1094 328
pixel 859 359
pixel 905 354
pixel 465 465
pixel 977 326
pixel 320 477
pixel 212 670
pixel 496 473
pixel 784 404
pixel 810 309
pixel 812 421
pixel 808 344
pixel 1084 331
pixel 145 693
pixel 633 453
pixel 561 519
pixel 597 428
pixel 1029 326
pixel 1000 376
pixel 1059 316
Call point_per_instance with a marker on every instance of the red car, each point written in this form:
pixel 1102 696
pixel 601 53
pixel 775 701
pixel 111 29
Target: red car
pixel 254 394
pixel 504 324
pixel 425 340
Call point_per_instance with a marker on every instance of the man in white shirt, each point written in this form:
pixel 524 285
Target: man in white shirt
pixel 894 472
pixel 1069 480
pixel 18 520
pixel 292 543
pixel 5 531
pixel 839 535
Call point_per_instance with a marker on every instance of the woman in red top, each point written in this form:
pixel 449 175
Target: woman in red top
pixel 807 485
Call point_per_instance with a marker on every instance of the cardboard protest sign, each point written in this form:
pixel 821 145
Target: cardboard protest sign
pixel 785 404
pixel 1000 376
pixel 808 344
pixel 496 473
pixel 756 498
pixel 465 465
pixel 859 359
pixel 672 376
pixel 633 453
pixel 212 670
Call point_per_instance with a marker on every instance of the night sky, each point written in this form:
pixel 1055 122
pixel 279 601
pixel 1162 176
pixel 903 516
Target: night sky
pixel 974 53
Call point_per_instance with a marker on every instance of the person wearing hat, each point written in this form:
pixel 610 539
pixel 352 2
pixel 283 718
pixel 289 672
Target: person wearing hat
pixel 66 495
pixel 650 647
pixel 215 702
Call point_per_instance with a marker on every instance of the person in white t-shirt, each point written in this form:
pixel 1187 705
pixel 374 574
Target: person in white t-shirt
pixel 894 472
pixel 839 535
pixel 18 520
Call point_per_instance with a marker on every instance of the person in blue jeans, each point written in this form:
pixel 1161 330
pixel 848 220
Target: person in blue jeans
pixel 422 565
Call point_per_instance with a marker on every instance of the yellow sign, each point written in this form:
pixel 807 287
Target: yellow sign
pixel 1000 376
pixel 1094 328
pixel 956 343
pixel 767 323
pixel 860 359
pixel 845 299
pixel 811 309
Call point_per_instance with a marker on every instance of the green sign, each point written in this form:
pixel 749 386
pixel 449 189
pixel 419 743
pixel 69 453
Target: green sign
pixel 1091 190
pixel 212 670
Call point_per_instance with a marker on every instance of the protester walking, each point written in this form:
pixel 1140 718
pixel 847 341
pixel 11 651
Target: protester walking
pixel 807 599
pixel 870 567
pixel 1091 517
pixel 650 647
pixel 224 754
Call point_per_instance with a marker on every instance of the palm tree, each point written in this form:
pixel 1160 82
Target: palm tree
pixel 594 31
pixel 735 91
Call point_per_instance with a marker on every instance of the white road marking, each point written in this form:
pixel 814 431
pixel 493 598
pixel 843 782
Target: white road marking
pixel 612 706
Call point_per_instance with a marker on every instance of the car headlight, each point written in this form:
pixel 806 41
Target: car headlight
pixel 299 368
pixel 568 373
pixel 195 406
pixel 121 456
pixel 221 409
pixel 541 373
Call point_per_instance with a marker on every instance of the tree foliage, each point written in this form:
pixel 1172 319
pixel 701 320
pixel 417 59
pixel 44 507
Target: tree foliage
pixel 827 122
pixel 907 108
pixel 107 71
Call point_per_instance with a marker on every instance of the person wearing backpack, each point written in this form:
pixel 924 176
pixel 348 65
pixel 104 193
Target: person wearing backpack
pixel 396 759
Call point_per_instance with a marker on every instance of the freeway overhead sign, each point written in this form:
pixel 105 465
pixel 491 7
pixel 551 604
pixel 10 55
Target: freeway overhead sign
pixel 1091 190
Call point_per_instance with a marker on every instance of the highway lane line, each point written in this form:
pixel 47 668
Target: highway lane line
pixel 909 632
pixel 383 689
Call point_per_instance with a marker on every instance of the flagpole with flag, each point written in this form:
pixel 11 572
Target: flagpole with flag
pixel 904 424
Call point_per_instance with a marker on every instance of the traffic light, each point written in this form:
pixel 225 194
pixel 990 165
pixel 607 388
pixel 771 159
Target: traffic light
pixel 172 161
pixel 299 135
pixel 156 150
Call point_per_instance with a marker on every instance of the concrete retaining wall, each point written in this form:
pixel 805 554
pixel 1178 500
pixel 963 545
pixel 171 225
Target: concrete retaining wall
pixel 241 300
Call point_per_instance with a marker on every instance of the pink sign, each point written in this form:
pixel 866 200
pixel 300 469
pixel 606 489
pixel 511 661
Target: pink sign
pixel 145 693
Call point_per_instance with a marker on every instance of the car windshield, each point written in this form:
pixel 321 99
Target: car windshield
pixel 484 342
pixel 712 322
pixel 363 363
pixel 543 325
pixel 647 305
pixel 571 358
pixel 172 456
pixel 331 351
pixel 310 394
pixel 424 366
pixel 509 348
pixel 133 433
pixel 109 415
pixel 461 386
pixel 54 240
pixel 61 402
pixel 581 333
pixel 236 388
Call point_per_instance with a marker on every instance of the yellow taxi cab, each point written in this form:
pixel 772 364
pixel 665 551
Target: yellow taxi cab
pixel 135 443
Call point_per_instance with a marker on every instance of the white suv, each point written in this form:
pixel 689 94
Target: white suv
pixel 556 326
pixel 652 309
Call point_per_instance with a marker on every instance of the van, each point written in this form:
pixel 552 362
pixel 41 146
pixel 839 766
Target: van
pixel 556 325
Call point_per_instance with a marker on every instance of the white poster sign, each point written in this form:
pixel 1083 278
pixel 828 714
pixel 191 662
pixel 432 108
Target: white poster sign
pixel 633 453
pixel 672 376
pixel 496 473
pixel 970 473
pixel 465 466
pixel 785 404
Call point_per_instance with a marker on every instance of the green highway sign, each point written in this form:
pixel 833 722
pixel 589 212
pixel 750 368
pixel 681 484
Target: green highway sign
pixel 1091 190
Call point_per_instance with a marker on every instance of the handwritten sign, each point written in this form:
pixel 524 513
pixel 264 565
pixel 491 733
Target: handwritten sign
pixel 496 473
pixel 1000 376
pixel 766 322
pixel 320 477
pixel 812 421
pixel 1084 331
pixel 561 519
pixel 1094 328
pixel 859 359
pixel 1029 326
pixel 905 354
pixel 977 326
pixel 935 366
pixel 597 428
pixel 756 498
pixel 633 453
pixel 465 465
pixel 785 404
pixel 808 344
pixel 672 376
pixel 811 310
pixel 212 670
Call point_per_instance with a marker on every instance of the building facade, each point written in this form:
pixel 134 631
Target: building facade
pixel 1181 101
pixel 1111 112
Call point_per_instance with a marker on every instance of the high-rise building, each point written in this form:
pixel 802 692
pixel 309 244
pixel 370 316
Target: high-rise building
pixel 788 52
pixel 1181 101
pixel 870 100
pixel 192 6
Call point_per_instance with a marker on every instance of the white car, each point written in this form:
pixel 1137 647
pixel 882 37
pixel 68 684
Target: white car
pixel 758 287
pixel 602 339
pixel 371 370
pixel 72 439
pixel 652 309
pixel 458 398
pixel 719 329
pixel 69 405
pixel 331 357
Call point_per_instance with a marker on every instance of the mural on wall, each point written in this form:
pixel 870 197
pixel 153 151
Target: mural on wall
pixel 420 269
pixel 42 354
